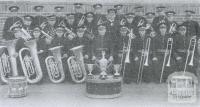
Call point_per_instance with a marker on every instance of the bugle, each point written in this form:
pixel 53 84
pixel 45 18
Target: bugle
pixel 54 65
pixel 168 53
pixel 144 60
pixel 30 62
pixel 76 65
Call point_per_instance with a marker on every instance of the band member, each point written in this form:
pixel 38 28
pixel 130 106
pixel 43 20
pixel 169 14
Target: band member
pixel 172 25
pixel 89 22
pixel 18 34
pixel 120 12
pixel 139 19
pixel 70 22
pixel 59 14
pixel 149 27
pixel 27 23
pixel 160 45
pixel 82 39
pixel 129 21
pixel 112 24
pixel 79 16
pixel 160 18
pixel 142 55
pixel 191 25
pixel 38 19
pixel 51 19
pixel 11 22
pixel 182 41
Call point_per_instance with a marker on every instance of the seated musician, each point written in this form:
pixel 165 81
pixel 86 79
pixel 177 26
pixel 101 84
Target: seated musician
pixel 142 55
pixel 182 41
pixel 120 52
pixel 82 39
pixel 102 43
pixel 27 22
pixel 160 45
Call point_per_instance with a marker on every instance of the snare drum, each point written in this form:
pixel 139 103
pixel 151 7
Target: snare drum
pixel 106 88
pixel 17 87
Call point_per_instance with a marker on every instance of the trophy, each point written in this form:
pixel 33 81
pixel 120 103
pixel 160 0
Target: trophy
pixel 103 65
pixel 90 68
pixel 117 68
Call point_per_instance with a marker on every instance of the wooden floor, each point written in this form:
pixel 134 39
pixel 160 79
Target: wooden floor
pixel 73 95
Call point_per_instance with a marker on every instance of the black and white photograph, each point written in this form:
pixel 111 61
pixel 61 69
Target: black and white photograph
pixel 99 53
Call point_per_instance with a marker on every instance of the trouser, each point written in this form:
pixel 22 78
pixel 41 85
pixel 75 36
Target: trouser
pixel 167 70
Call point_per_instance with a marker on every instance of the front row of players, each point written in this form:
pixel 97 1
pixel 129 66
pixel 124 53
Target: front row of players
pixel 152 56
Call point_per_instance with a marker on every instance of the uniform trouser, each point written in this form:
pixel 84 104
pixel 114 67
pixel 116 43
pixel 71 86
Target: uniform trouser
pixel 157 67
pixel 189 68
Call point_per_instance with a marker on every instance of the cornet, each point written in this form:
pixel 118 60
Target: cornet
pixel 168 52
pixel 67 29
pixel 81 21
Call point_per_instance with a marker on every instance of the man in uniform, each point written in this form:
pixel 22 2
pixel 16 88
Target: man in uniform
pixel 27 23
pixel 160 18
pixel 160 45
pixel 59 15
pixel 79 16
pixel 129 22
pixel 120 12
pixel 38 20
pixel 191 25
pixel 11 22
pixel 182 41
pixel 89 22
pixel 139 17
pixel 149 27
pixel 172 24
pixel 70 25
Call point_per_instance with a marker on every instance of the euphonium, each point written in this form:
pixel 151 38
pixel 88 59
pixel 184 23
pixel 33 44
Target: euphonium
pixel 76 65
pixel 54 65
pixel 30 62
pixel 8 63
pixel 168 52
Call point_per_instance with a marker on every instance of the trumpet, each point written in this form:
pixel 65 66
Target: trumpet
pixel 168 52
pixel 8 63
pixel 191 50
pixel 127 58
pixel 30 63
pixel 144 61
pixel 54 65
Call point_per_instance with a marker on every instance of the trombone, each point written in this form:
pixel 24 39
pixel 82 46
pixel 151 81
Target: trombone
pixel 191 50
pixel 144 61
pixel 168 51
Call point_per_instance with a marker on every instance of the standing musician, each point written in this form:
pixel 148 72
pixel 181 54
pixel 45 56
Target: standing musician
pixel 59 14
pixel 112 24
pixel 149 17
pixel 79 16
pixel 11 22
pixel 38 19
pixel 163 60
pixel 89 22
pixel 172 24
pixel 191 25
pixel 120 12
pixel 27 23
pixel 51 19
pixel 142 56
pixel 70 22
pixel 182 41
pixel 139 17
pixel 160 18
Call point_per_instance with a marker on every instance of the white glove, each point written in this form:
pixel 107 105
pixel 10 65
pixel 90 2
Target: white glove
pixel 93 58
pixel 86 56
pixel 155 59
pixel 136 58
pixel 111 58
pixel 70 37
pixel 65 56
pixel 178 58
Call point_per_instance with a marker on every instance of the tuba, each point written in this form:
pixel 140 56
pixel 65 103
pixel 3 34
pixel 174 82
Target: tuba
pixel 8 64
pixel 30 62
pixel 76 65
pixel 54 65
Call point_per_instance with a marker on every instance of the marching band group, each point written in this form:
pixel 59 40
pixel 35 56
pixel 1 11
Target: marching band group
pixel 148 45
